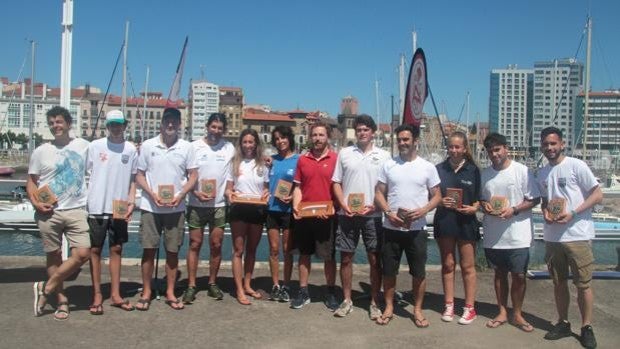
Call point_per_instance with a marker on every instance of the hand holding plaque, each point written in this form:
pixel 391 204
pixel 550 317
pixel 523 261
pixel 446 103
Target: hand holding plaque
pixel 208 187
pixel 556 207
pixel 356 201
pixel 120 209
pixel 456 194
pixel 497 203
pixel 165 193
pixel 283 190
pixel 316 209
pixel 246 198
pixel 46 196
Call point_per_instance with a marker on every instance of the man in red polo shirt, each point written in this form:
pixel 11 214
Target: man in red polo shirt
pixel 315 235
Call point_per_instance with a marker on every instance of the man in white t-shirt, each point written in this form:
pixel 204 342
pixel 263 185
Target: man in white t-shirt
pixel 407 189
pixel 569 190
pixel 507 231
pixel 214 160
pixel 357 169
pixel 166 173
pixel 56 186
pixel 112 162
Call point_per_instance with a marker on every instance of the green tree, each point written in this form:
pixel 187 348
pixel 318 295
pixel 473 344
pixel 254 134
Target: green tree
pixel 38 139
pixel 22 140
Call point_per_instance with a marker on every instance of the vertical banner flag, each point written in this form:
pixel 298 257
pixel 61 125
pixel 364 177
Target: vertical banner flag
pixel 173 97
pixel 417 90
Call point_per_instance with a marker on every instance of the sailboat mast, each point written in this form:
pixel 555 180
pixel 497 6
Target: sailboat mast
pixel 31 122
pixel 587 89
pixel 65 64
pixel 377 100
pixel 146 93
pixel 401 85
pixel 124 85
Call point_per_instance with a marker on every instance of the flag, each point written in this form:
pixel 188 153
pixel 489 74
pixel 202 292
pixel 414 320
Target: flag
pixel 173 97
pixel 417 89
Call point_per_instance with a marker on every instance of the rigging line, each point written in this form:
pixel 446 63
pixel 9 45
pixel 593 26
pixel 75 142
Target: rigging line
pixel 12 97
pixel 461 112
pixel 605 65
pixel 107 91
pixel 443 134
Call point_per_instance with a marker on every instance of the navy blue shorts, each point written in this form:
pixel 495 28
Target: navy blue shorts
pixel 514 260
pixel 102 226
pixel 413 243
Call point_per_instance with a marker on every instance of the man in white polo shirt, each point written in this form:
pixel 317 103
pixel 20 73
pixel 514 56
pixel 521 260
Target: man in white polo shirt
pixel 214 160
pixel 507 232
pixel 407 189
pixel 166 173
pixel 357 169
pixel 112 162
pixel 60 167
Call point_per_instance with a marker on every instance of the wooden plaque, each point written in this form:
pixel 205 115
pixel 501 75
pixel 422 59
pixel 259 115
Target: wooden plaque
pixel 556 207
pixel 209 187
pixel 283 189
pixel 498 203
pixel 457 195
pixel 402 214
pixel 244 198
pixel 356 201
pixel 316 208
pixel 46 195
pixel 119 209
pixel 166 193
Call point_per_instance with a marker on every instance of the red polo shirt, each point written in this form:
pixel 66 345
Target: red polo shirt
pixel 314 176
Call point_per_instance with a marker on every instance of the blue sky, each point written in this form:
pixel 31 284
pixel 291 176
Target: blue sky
pixel 309 54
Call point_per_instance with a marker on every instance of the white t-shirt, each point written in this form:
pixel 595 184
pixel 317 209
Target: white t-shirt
pixel 408 186
pixel 163 165
pixel 515 183
pixel 251 179
pixel 111 166
pixel 214 162
pixel 63 169
pixel 357 172
pixel 572 180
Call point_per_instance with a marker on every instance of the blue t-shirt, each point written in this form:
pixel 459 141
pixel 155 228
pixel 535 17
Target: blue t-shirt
pixel 281 168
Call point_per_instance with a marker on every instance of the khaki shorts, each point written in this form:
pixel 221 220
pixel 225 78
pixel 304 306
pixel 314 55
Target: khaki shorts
pixel 72 223
pixel 575 254
pixel 153 224
pixel 199 217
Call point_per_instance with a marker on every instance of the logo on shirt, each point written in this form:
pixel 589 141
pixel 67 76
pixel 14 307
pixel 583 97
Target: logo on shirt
pixel 260 171
pixel 466 182
pixel 290 171
pixel 103 156
pixel 562 181
pixel 124 158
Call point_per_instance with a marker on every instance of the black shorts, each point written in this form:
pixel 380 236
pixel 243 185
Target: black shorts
pixel 413 243
pixel 315 236
pixel 247 213
pixel 279 220
pixel 102 225
pixel 350 229
pixel 514 260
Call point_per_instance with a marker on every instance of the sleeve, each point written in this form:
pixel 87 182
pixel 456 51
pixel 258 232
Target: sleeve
pixel 191 158
pixel 34 167
pixel 383 173
pixel 297 177
pixel 337 176
pixel 433 177
pixel 143 161
pixel 530 189
pixel 587 180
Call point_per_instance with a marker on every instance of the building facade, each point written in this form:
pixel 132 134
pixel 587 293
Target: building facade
pixel 231 105
pixel 510 106
pixel 204 100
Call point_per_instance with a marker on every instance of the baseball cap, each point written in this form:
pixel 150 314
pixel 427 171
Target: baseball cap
pixel 115 116
pixel 171 113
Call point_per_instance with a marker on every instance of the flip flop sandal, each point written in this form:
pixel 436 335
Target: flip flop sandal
pixel 420 323
pixel 384 321
pixel 495 323
pixel 61 314
pixel 96 309
pixel 176 304
pixel 244 301
pixel 38 293
pixel 146 304
pixel 255 295
pixel 125 305
pixel 525 327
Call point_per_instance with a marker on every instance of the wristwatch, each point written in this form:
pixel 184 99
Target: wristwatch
pixel 515 212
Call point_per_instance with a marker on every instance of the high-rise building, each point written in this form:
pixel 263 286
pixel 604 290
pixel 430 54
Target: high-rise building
pixel 556 85
pixel 231 105
pixel 510 106
pixel 603 126
pixel 349 106
pixel 204 100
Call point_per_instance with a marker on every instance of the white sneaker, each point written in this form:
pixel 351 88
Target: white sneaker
pixel 448 313
pixel 469 315
pixel 345 308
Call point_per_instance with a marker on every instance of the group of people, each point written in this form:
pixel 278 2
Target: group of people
pixel 360 191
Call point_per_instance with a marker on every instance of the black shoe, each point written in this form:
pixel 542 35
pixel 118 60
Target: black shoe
pixel 302 299
pixel 284 294
pixel 560 330
pixel 587 339
pixel 331 302
pixel 275 293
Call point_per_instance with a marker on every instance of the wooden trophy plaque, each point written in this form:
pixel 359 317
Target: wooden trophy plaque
pixel 556 207
pixel 166 193
pixel 45 195
pixel 283 189
pixel 402 214
pixel 498 203
pixel 316 208
pixel 356 201
pixel 120 208
pixel 208 187
pixel 457 195
pixel 246 198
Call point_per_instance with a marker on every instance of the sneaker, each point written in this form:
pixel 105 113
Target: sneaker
pixel 284 295
pixel 214 292
pixel 448 313
pixel 331 302
pixel 560 330
pixel 275 293
pixel 587 339
pixel 189 296
pixel 469 315
pixel 374 312
pixel 344 309
pixel 302 299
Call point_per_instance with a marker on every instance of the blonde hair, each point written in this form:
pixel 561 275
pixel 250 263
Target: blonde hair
pixel 258 153
pixel 463 137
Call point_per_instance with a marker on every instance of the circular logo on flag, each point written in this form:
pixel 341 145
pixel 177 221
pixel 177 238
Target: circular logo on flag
pixel 417 92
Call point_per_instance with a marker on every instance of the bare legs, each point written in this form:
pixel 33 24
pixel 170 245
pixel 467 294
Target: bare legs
pixel 242 272
pixel 447 247
pixel 274 253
